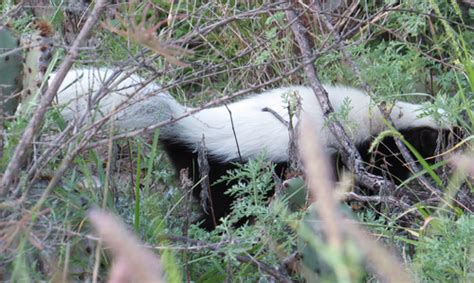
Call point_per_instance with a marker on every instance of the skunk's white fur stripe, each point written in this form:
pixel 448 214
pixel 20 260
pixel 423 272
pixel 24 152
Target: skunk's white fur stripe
pixel 255 130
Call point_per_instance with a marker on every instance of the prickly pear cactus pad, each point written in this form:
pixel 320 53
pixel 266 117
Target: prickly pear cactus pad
pixel 10 69
pixel 38 53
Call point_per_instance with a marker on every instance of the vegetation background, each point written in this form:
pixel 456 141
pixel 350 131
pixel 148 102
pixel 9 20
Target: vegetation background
pixel 200 51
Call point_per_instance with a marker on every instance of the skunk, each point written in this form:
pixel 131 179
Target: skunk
pixel 240 131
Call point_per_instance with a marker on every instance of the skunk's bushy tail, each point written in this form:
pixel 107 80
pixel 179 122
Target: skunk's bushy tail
pixel 131 102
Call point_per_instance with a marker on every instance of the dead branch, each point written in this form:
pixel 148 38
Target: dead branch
pixel 279 118
pixel 410 161
pixel 342 47
pixel 350 155
pixel 233 132
pixel 206 193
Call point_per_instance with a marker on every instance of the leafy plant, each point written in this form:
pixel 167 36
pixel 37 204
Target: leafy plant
pixel 250 184
pixel 445 253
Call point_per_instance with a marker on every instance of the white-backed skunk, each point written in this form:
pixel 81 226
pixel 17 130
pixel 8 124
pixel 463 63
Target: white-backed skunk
pixel 241 130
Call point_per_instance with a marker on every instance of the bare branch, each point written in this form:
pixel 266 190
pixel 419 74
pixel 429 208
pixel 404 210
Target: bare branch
pixel 233 132
pixel 350 155
pixel 206 193
pixel 410 162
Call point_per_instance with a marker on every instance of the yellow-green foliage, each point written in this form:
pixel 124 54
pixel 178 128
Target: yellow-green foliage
pixel 446 253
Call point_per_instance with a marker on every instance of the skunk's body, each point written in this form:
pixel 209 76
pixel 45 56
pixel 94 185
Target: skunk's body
pixel 242 130
pixel 252 131
pixel 256 131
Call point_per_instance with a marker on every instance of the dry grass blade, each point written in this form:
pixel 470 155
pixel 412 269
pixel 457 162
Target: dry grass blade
pixel 464 163
pixel 318 179
pixel 333 224
pixel 139 32
pixel 381 260
pixel 131 262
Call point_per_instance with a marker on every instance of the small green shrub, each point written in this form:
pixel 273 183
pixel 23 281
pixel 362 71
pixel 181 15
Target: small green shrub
pixel 446 254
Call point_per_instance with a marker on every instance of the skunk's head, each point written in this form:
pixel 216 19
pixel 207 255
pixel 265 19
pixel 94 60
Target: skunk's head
pixel 430 141
pixel 429 137
pixel 424 133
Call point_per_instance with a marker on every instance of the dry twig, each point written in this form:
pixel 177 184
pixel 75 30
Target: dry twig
pixel 350 155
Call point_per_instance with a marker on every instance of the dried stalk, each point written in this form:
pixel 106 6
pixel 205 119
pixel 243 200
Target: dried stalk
pixel 350 155
pixel 333 223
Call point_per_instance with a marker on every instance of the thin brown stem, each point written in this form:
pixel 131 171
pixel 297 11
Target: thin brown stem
pixel 350 155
